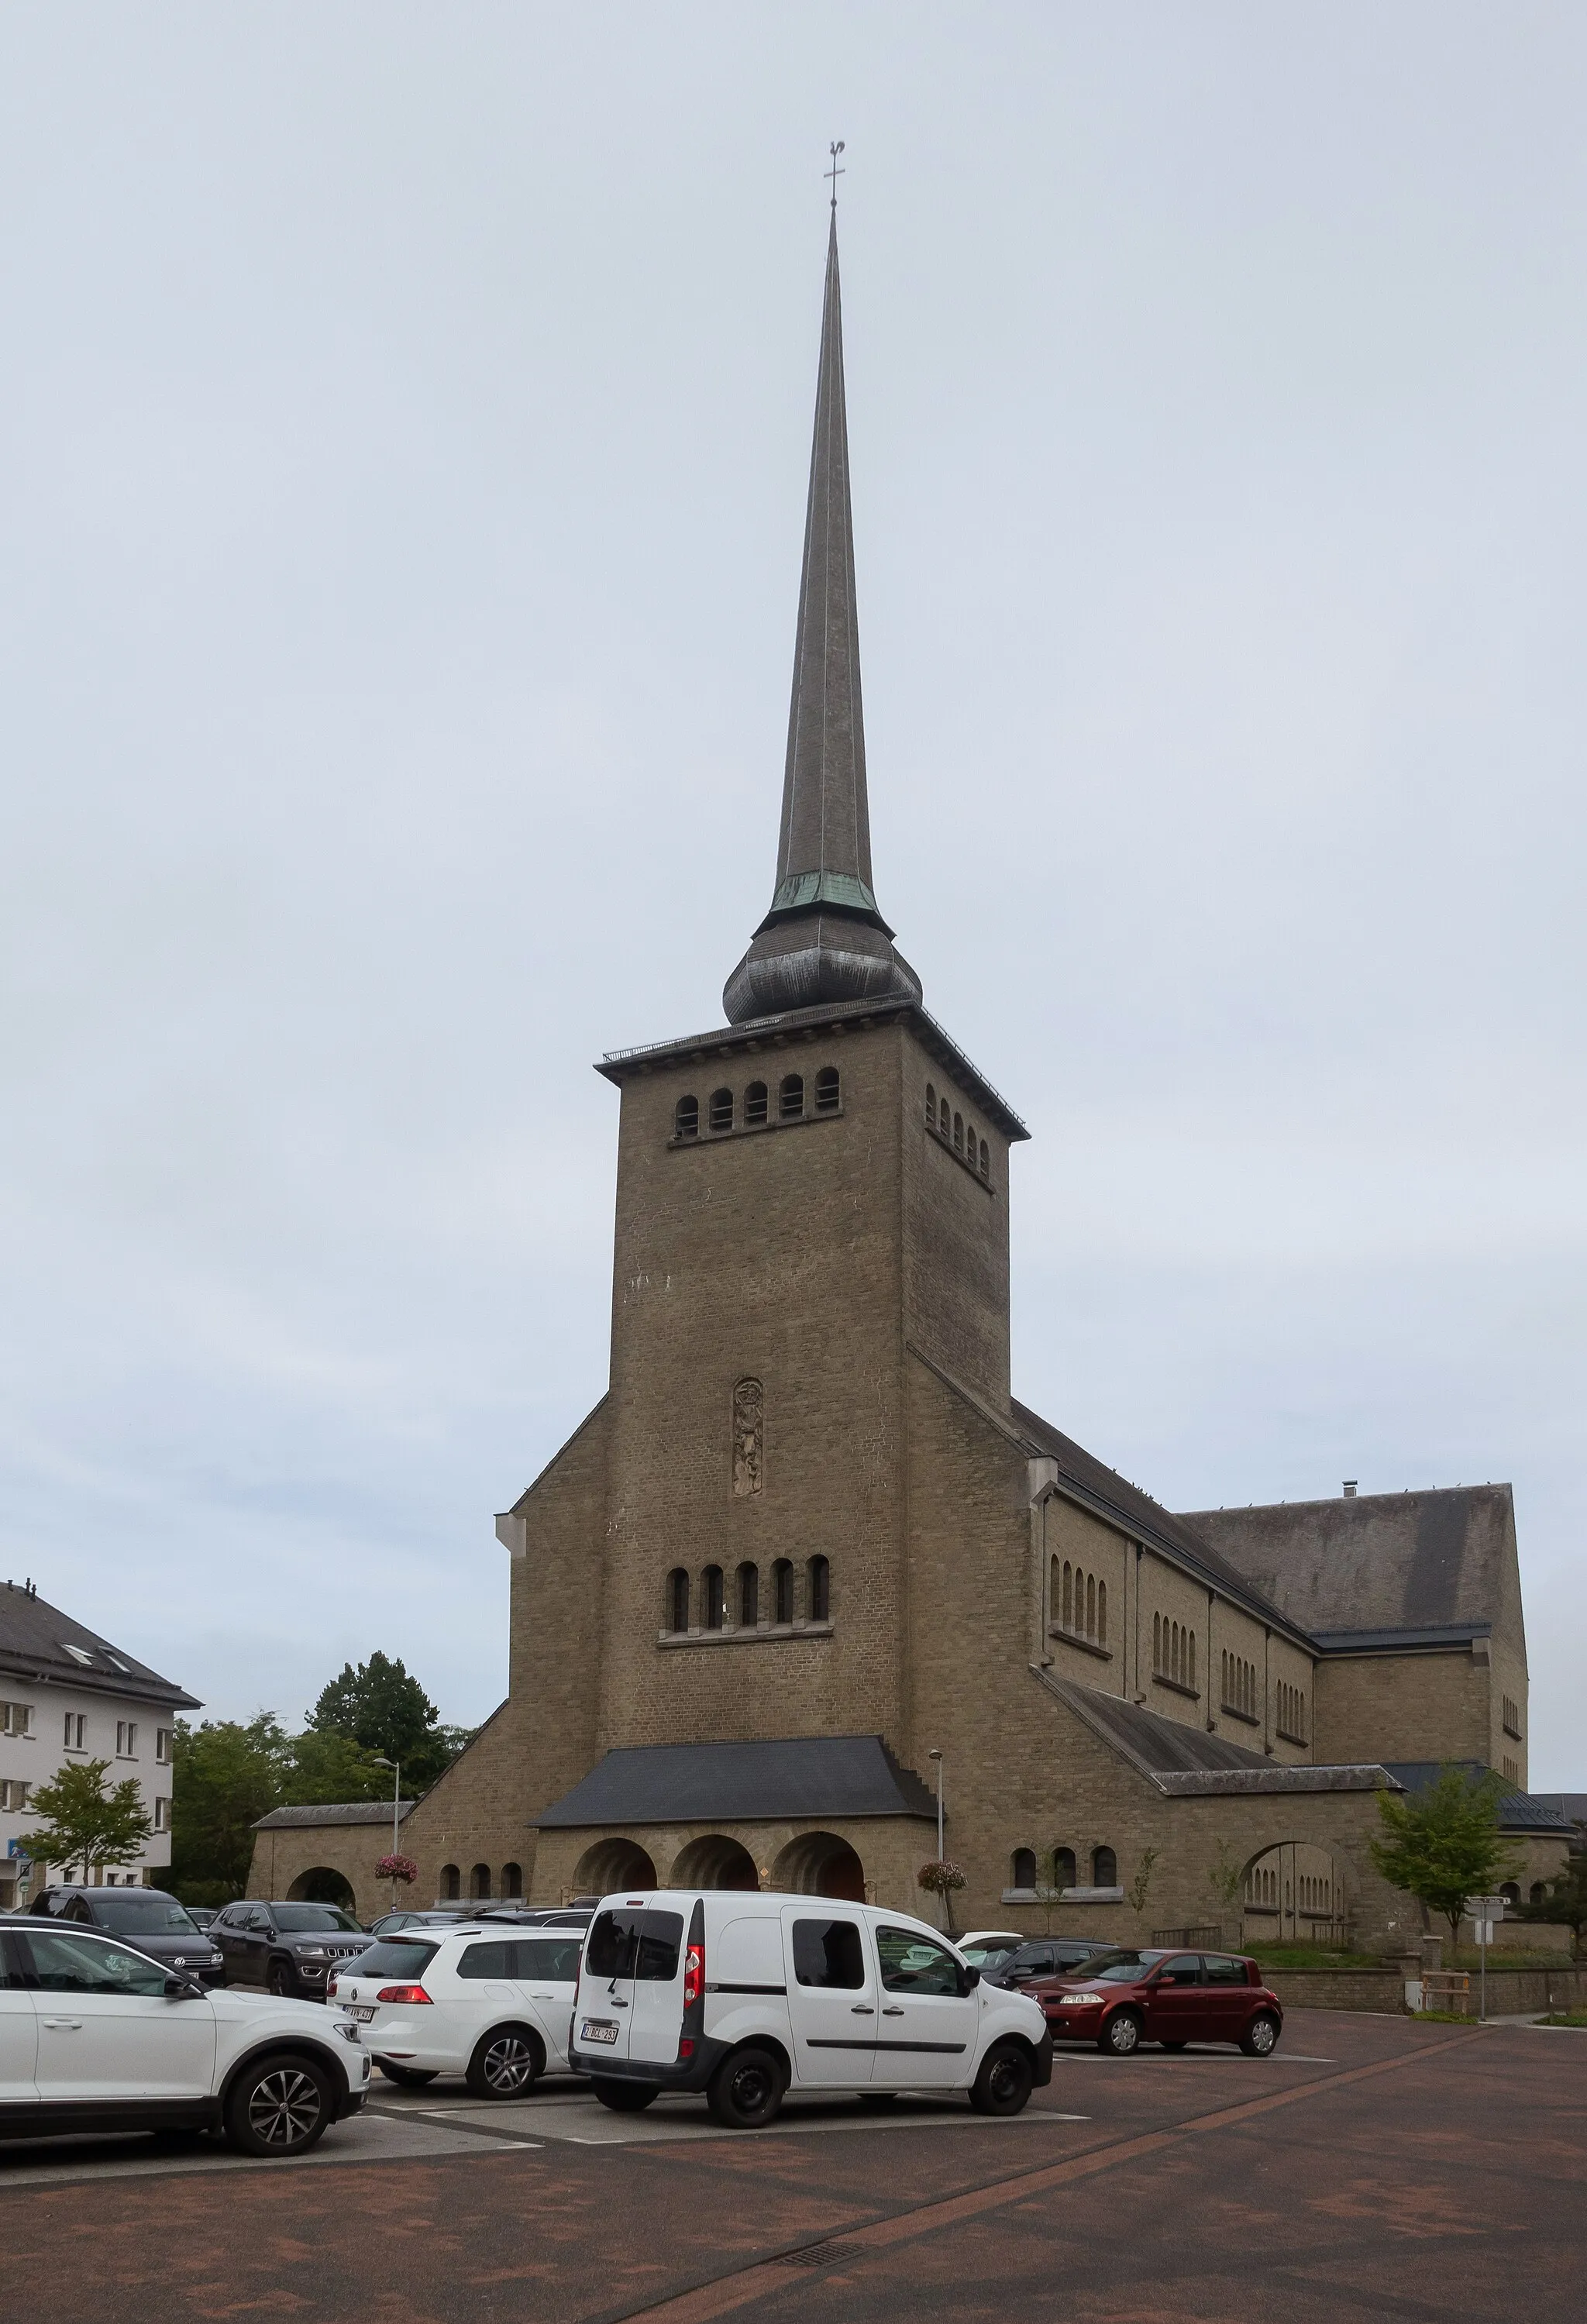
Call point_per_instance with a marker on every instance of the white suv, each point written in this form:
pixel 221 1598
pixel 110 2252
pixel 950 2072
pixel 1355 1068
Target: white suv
pixel 485 2000
pixel 745 1995
pixel 95 2036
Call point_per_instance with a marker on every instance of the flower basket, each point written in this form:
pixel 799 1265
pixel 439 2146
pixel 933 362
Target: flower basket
pixel 941 1877
pixel 396 1868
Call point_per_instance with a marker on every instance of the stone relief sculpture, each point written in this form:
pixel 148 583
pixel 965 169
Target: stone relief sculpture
pixel 749 1418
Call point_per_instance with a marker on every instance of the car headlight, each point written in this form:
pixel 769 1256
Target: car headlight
pixel 1080 2000
pixel 313 1952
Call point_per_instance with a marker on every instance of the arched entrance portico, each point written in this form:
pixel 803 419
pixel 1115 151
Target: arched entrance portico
pixel 820 1864
pixel 713 1861
pixel 1294 1894
pixel 322 1885
pixel 612 1864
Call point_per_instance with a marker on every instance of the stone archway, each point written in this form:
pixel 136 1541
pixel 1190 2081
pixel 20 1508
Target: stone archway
pixel 611 1865
pixel 820 1864
pixel 713 1861
pixel 1294 1893
pixel 322 1885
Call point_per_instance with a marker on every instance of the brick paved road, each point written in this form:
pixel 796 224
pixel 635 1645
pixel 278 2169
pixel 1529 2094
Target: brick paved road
pixel 1372 2169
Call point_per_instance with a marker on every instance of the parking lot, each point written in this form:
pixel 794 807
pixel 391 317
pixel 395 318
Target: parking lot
pixel 1372 2168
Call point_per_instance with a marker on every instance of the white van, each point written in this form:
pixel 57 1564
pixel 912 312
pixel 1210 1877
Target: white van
pixel 745 1995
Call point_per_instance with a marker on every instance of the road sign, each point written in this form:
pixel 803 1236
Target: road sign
pixel 1485 1908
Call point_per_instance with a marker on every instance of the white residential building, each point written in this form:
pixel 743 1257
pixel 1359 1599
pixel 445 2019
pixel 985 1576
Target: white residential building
pixel 68 1696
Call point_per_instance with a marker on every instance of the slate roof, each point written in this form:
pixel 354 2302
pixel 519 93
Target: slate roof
pixel 1374 1561
pixel 1518 1811
pixel 1145 1518
pixel 335 1812
pixel 695 1783
pixel 35 1641
pixel 1571 1805
pixel 1187 1761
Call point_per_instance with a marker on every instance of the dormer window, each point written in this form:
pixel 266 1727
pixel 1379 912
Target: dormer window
pixel 78 1655
pixel 686 1119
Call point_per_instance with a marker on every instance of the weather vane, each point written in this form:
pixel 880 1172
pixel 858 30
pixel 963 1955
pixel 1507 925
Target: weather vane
pixel 834 173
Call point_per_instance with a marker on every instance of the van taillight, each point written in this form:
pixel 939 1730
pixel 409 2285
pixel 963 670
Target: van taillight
pixel 412 1994
pixel 694 1975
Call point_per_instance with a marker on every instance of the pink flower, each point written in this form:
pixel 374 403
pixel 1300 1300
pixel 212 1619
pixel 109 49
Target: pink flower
pixel 396 1868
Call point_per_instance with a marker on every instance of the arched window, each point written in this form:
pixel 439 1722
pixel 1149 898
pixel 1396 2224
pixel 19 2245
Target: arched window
pixel 944 1121
pixel 782 1592
pixel 985 1160
pixel 1063 1867
pixel 451 1883
pixel 1510 1891
pixel 1069 1595
pixel 511 1879
pixel 1102 1613
pixel 1157 1642
pixel 1190 1681
pixel 677 1598
pixel 819 1593
pixel 756 1105
pixel 749 1596
pixel 791 1097
pixel 931 1106
pixel 686 1117
pixel 479 1882
pixel 1537 1893
pixel 1024 1868
pixel 1055 1594
pixel 958 1133
pixel 828 1090
pixel 1090 1605
pixel 711 1594
pixel 1104 1868
pixel 722 1108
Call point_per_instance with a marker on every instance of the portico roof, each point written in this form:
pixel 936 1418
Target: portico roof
pixel 797 1776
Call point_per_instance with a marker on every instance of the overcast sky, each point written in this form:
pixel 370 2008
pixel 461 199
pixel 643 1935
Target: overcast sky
pixel 404 434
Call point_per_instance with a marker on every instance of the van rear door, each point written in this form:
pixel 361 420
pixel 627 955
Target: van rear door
pixel 656 2017
pixel 831 1994
pixel 605 1988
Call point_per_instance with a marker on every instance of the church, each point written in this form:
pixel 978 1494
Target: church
pixel 810 1564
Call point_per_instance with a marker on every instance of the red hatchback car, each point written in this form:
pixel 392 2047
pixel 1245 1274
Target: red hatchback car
pixel 1122 2000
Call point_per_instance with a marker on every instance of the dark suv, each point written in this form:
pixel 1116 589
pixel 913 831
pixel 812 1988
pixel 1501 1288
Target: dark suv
pixel 287 1948
pixel 1044 1956
pixel 151 1921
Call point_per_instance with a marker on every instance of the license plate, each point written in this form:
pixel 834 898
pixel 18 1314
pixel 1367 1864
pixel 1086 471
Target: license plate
pixel 600 2031
pixel 359 2010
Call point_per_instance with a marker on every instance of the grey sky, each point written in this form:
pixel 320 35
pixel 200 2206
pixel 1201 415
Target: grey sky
pixel 404 438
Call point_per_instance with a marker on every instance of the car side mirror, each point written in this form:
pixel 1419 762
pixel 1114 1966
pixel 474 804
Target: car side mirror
pixel 183 1988
pixel 969 1978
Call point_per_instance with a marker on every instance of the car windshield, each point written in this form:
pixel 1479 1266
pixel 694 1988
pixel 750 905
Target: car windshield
pixel 135 1912
pixel 313 1920
pixel 994 1948
pixel 1116 1968
pixel 406 1958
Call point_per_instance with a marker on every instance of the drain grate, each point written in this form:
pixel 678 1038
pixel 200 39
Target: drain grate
pixel 811 2256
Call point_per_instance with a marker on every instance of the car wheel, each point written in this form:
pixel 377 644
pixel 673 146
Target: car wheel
pixel 746 2090
pixel 407 2077
pixel 626 2098
pixel 504 2063
pixel 278 2106
pixel 1260 2037
pixel 1004 2082
pixel 1120 2036
pixel 1171 2045
pixel 278 1979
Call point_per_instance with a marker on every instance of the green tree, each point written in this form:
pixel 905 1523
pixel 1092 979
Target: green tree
pixel 1444 1845
pixel 226 1775
pixel 322 1764
pixel 1565 1901
pixel 84 1822
pixel 382 1708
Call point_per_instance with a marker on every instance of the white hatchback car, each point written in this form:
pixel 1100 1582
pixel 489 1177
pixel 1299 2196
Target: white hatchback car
pixel 97 2036
pixel 483 2000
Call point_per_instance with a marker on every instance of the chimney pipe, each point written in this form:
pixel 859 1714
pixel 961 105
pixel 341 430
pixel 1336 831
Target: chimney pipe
pixel 1349 1486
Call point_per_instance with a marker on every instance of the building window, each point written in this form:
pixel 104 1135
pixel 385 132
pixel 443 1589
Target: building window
pixel 828 1090
pixel 985 1160
pixel 162 1747
pixel 479 1882
pixel 782 1592
pixel 749 1596
pixel 1104 1868
pixel 1173 1647
pixel 791 1098
pixel 722 1108
pixel 126 1738
pixel 1512 1717
pixel 1024 1868
pixel 1511 1771
pixel 711 1596
pixel 685 1118
pixel 511 1879
pixel 76 1728
pixel 1510 1891
pixel 1063 1867
pixel 1066 1618
pixel 756 1105
pixel 931 1106
pixel 677 1598
pixel 451 1883
pixel 818 1598
pixel 1536 1892
pixel 16 1719
pixel 14 1797
pixel 958 1133
pixel 161 1815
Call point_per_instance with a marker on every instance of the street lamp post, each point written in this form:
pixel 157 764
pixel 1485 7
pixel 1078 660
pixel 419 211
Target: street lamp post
pixel 942 1901
pixel 396 1807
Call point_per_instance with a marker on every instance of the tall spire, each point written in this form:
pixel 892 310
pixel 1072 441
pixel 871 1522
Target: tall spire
pixel 824 938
